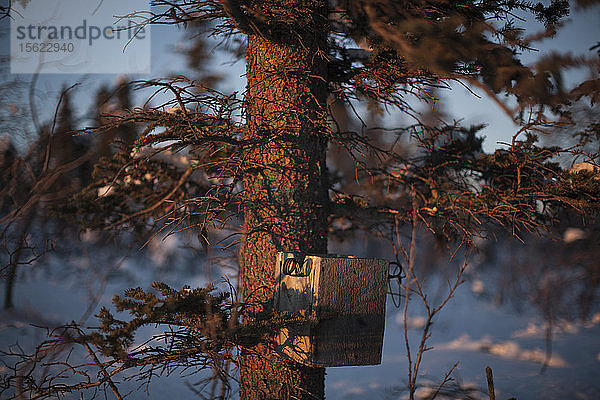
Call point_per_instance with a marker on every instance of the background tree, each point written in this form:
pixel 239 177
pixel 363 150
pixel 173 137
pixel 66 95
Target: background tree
pixel 204 160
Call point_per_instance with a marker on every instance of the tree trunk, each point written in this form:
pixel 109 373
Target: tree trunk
pixel 285 206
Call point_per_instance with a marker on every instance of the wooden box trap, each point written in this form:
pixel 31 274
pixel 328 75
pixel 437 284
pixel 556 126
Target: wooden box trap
pixel 343 302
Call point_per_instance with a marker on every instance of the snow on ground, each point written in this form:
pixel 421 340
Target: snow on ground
pixel 476 334
pixel 471 330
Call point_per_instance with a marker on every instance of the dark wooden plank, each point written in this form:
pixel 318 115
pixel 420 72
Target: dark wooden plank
pixel 351 312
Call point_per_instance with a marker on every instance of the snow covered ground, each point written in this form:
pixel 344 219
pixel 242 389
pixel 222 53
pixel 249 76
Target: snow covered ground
pixel 477 334
pixel 473 330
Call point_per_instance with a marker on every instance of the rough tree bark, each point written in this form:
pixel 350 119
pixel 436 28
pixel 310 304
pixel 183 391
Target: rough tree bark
pixel 285 181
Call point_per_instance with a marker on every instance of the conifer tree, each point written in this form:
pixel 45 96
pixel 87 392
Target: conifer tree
pixel 257 166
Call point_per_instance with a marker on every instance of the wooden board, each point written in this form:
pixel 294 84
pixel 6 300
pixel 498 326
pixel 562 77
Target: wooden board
pixel 297 293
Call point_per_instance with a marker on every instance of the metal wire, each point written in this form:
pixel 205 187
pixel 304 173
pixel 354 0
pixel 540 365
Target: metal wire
pixel 297 267
pixel 397 273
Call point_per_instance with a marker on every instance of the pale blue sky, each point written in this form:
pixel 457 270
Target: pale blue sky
pixel 580 32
